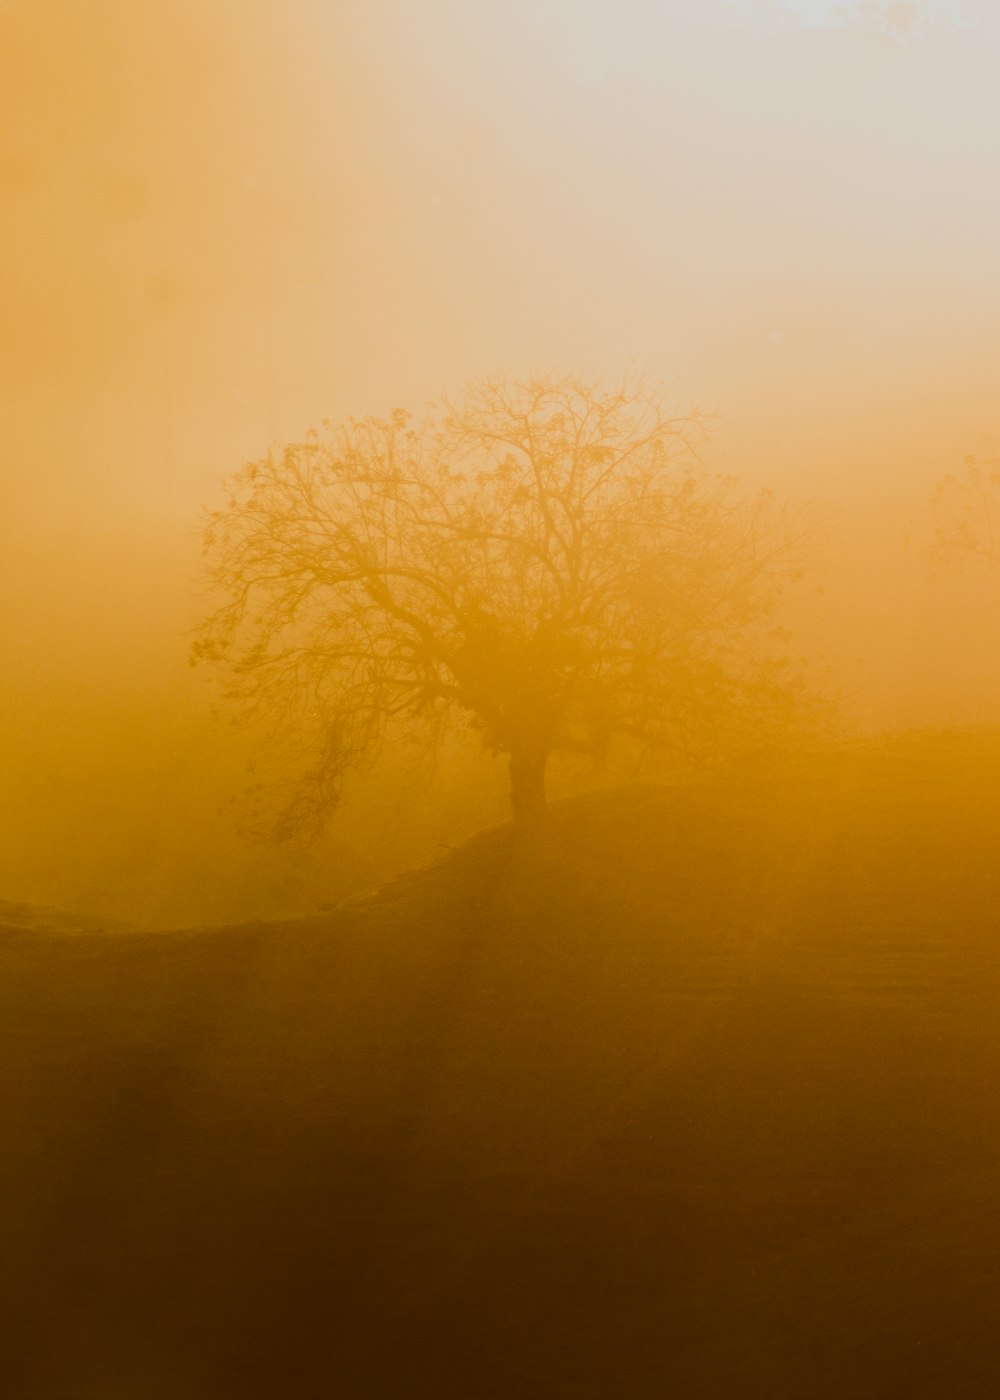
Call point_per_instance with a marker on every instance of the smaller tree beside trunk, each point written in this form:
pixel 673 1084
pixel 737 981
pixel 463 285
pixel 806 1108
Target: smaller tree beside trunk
pixel 547 559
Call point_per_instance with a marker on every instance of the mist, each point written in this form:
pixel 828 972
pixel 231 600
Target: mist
pixel 500 718
pixel 224 224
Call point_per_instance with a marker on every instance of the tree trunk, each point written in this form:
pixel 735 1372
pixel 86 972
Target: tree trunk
pixel 527 786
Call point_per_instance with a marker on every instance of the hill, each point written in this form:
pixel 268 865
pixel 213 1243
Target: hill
pixel 16 916
pixel 694 1098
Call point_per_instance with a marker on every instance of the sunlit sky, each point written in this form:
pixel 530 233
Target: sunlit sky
pixel 223 222
pixel 899 19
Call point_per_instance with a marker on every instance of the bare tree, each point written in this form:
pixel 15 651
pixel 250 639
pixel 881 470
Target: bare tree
pixel 547 558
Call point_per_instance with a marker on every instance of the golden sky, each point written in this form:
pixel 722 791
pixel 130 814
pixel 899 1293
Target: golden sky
pixel 224 220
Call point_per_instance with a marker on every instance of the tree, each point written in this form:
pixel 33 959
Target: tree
pixel 966 514
pixel 548 559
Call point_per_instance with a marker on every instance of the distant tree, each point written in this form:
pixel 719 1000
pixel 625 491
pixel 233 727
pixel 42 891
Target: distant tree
pixel 965 508
pixel 547 558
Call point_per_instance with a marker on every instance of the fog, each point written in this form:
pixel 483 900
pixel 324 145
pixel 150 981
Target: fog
pixel 223 223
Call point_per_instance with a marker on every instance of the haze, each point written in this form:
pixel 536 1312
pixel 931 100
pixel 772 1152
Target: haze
pixel 223 223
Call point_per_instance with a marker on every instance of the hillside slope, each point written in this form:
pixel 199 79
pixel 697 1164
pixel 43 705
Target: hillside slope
pixel 698 1098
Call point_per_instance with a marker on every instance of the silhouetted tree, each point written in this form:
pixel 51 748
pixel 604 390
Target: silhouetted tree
pixel 547 558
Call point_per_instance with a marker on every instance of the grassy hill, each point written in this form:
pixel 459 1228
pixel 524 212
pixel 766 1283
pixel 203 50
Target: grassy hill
pixel 698 1098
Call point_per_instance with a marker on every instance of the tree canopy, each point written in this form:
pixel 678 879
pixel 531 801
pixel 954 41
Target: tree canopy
pixel 547 558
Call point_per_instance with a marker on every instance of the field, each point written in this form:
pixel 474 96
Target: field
pixel 698 1097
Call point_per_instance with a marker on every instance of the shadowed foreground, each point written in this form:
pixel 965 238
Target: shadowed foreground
pixel 699 1100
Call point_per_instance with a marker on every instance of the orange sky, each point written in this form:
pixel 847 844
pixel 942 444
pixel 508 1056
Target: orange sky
pixel 224 220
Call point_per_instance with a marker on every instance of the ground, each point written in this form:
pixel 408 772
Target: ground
pixel 696 1098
